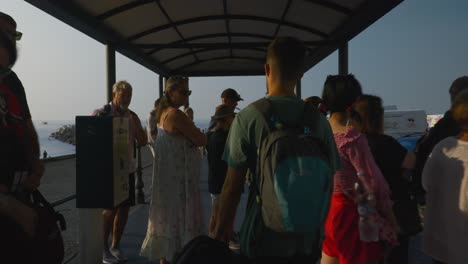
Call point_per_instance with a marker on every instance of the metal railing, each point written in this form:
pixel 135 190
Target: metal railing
pixel 139 183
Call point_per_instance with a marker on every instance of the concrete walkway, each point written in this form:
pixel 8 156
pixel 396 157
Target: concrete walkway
pixel 138 220
pixel 59 182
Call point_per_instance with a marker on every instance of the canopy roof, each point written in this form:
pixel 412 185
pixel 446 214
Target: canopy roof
pixel 215 37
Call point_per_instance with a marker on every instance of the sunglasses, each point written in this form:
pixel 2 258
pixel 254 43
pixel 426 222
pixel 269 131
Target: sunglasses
pixel 185 92
pixel 177 77
pixel 13 35
pixel 18 35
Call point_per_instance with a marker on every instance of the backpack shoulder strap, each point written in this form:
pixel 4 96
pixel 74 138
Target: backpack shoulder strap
pixel 310 116
pixel 105 110
pixel 39 199
pixel 265 107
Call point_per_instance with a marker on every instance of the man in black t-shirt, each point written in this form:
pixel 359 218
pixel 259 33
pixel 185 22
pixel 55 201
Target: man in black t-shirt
pixel 21 146
pixel 228 97
pixel 19 154
pixel 446 127
pixel 217 166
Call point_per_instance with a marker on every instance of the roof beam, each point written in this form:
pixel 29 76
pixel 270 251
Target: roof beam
pixel 71 14
pixel 221 73
pixel 228 30
pixel 226 45
pixel 249 35
pixel 331 5
pixel 123 8
pixel 230 17
pixel 174 26
pixel 262 60
pixel 363 17
pixel 283 16
pixel 204 50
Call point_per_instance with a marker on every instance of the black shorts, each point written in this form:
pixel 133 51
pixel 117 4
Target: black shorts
pixel 131 201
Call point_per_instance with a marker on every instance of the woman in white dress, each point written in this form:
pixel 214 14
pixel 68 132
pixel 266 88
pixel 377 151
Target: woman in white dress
pixel 175 215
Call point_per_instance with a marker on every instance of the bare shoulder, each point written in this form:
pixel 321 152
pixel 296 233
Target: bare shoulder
pixel 174 113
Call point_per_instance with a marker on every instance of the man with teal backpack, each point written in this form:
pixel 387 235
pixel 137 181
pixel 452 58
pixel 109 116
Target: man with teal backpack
pixel 289 150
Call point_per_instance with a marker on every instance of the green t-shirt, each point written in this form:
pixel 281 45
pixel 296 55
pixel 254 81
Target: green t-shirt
pixel 248 129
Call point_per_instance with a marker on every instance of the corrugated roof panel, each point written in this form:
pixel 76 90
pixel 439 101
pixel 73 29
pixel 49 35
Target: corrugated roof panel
pixel 225 65
pixel 169 53
pixel 249 53
pixel 157 24
pixel 136 20
pixel 351 4
pixel 205 55
pixel 96 8
pixel 250 26
pixel 249 39
pixel 202 28
pixel 181 9
pixel 286 31
pixel 210 40
pixel 307 13
pixel 164 36
pixel 180 62
pixel 261 8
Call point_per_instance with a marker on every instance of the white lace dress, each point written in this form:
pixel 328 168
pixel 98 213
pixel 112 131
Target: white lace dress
pixel 175 215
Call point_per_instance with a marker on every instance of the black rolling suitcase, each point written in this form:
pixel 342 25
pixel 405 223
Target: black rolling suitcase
pixel 205 250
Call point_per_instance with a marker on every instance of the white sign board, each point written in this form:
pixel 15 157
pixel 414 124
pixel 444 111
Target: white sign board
pixel 404 122
pixel 121 130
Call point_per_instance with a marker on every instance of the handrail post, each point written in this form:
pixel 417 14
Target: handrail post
pixel 110 70
pixel 139 179
pixel 343 59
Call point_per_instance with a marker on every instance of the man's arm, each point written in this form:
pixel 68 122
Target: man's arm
pixel 140 134
pixel 19 212
pixel 229 200
pixel 32 151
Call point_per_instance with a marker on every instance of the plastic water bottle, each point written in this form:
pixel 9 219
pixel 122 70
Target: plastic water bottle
pixel 368 228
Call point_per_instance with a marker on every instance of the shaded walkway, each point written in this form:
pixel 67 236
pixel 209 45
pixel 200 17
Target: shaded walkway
pixel 59 182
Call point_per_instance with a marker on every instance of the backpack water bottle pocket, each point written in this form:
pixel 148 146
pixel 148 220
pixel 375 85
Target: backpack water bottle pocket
pixel 301 187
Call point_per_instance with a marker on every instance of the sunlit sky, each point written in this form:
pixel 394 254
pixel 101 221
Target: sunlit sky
pixel 409 58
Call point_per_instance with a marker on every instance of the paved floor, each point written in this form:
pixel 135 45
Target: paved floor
pixel 59 182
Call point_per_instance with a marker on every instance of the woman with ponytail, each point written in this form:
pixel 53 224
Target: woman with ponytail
pixel 175 215
pixel 343 242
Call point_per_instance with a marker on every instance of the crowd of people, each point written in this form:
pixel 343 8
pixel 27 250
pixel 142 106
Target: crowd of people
pixel 371 206
pixel 324 181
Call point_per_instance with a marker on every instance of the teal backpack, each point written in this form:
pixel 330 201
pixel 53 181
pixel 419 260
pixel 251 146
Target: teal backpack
pixel 290 193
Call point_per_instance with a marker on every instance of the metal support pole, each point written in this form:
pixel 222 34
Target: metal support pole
pixel 343 59
pixel 299 88
pixel 139 180
pixel 161 86
pixel 110 63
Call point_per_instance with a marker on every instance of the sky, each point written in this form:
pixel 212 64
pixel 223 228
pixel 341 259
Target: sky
pixel 409 58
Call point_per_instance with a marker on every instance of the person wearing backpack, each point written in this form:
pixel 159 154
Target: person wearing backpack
pixel 289 149
pixel 360 214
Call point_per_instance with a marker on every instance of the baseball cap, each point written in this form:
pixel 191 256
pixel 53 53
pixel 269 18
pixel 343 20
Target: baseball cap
pixel 231 94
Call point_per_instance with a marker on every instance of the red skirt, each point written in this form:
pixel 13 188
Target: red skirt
pixel 342 234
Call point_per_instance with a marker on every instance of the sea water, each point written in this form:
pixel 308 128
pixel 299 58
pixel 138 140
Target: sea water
pixel 55 148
